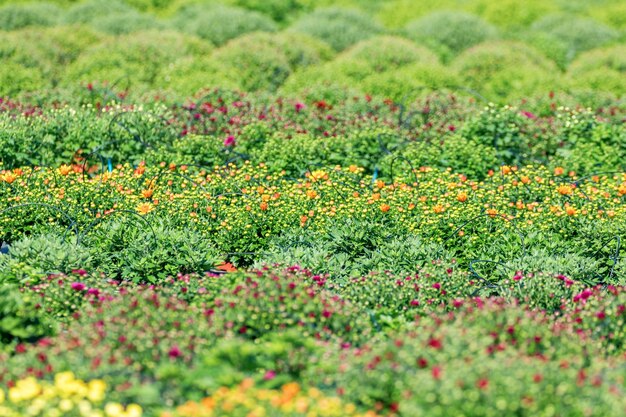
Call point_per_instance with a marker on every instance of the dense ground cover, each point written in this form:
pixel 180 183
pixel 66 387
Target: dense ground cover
pixel 295 208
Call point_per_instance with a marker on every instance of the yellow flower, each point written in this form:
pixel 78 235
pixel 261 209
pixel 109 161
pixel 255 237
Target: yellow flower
pixel 564 189
pixel 145 208
pixel 95 392
pixel 1 396
pixel 65 169
pixel 114 410
pixel 25 389
pixel 134 410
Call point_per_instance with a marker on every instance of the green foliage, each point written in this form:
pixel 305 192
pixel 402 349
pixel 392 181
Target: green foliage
pixel 20 320
pixel 279 10
pixel 219 24
pixel 384 53
pixel 464 154
pixel 338 27
pixel 577 34
pixel 599 70
pixel 134 60
pixel 17 16
pixel 133 250
pixel 410 82
pixel 92 10
pixel 252 63
pixel 43 254
pixel 16 79
pixel 454 31
pixel 511 14
pixel 126 22
pixel 48 50
pixel 295 154
pixel 506 70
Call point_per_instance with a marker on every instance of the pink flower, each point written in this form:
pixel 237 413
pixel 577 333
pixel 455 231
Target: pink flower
pixel 230 141
pixel 415 303
pixel 78 286
pixel 269 375
pixel 80 272
pixel 437 286
pixel 174 352
pixel 299 107
pixel 529 115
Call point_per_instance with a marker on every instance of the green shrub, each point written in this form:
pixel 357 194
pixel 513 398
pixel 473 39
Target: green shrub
pixel 613 15
pixel 219 24
pixel 92 10
pixel 338 27
pixel 16 79
pixel 612 58
pixel 130 249
pixel 189 75
pixel 320 83
pixel 20 320
pixel 126 22
pixel 397 13
pixel 45 254
pixel 464 155
pixel 301 50
pixel 383 53
pixel 598 70
pixel 511 14
pixel 506 70
pixel 410 82
pixel 578 34
pixel 133 60
pixel 48 50
pixel 279 10
pixel 252 64
pixel 454 31
pixel 17 16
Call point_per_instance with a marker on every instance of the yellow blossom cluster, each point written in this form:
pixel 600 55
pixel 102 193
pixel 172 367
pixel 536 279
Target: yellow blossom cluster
pixel 65 397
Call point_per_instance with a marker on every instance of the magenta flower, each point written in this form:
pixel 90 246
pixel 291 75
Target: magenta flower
pixel 230 141
pixel 80 272
pixel 299 107
pixel 78 286
pixel 269 375
pixel 175 352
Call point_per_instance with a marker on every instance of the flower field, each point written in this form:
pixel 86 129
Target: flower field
pixel 288 208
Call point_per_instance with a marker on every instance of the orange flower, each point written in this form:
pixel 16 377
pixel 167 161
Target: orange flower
pixel 263 206
pixel 65 169
pixel 438 209
pixel 492 212
pixel 622 189
pixel 506 169
pixel 384 208
pixel 571 211
pixel 525 179
pixel 380 184
pixel 9 177
pixel 559 171
pixel 564 189
pixel 144 208
pixel 226 267
pixel 311 194
pixel 461 197
pixel 147 193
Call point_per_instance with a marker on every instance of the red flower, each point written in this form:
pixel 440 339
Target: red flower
pixel 435 344
pixel 482 383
